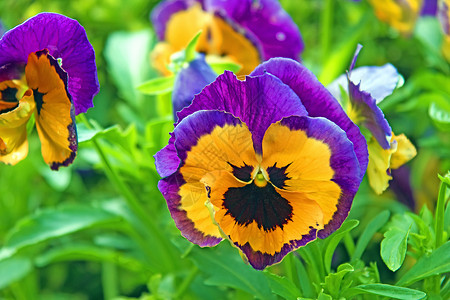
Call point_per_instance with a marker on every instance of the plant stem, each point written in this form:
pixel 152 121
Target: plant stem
pixel 129 197
pixel 349 244
pixel 186 282
pixel 439 217
pixel 109 280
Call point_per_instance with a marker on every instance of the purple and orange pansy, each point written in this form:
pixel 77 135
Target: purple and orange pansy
pixel 402 14
pixel 245 32
pixel 47 68
pixel 364 88
pixel 269 163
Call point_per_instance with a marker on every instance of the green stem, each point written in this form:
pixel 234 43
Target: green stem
pixel 326 27
pixel 109 280
pixel 349 244
pixel 186 282
pixel 439 218
pixel 129 196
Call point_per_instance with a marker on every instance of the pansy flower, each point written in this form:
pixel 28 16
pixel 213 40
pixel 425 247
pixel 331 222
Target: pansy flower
pixel 402 14
pixel 245 32
pixel 47 69
pixel 269 163
pixel 365 87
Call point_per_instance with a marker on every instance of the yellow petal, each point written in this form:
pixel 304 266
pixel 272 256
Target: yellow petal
pixel 54 115
pixel 378 167
pixel 13 131
pixel 405 151
pixel 218 38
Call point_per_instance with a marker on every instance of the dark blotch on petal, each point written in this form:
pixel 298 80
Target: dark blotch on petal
pixel 278 176
pixel 39 99
pixel 263 205
pixel 9 94
pixel 242 173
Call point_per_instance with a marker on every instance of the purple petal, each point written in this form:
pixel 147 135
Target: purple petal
pixel 317 100
pixel 372 116
pixel 258 101
pixel 169 187
pixel 161 14
pixel 186 136
pixel 189 82
pixel 429 8
pixel 64 38
pixel 267 21
pixel 166 160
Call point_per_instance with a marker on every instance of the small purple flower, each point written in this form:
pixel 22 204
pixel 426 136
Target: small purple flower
pixel 269 163
pixel 47 67
pixel 245 32
pixel 365 87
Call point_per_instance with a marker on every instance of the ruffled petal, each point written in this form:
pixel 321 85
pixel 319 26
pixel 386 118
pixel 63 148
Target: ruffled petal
pixel 64 38
pixel 379 82
pixel 205 142
pixel 274 29
pixel 322 164
pixel 258 102
pixel 55 120
pixel 364 111
pixel 317 100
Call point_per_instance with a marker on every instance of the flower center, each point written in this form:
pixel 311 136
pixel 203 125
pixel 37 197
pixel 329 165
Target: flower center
pixel 259 180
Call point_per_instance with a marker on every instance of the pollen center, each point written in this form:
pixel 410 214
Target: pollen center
pixel 260 181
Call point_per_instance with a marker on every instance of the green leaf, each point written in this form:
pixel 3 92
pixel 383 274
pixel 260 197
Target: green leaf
pixel 374 225
pixel 220 66
pixel 85 134
pixel 393 248
pixel 190 52
pixel 334 239
pixel 440 116
pixel 86 252
pixel 13 269
pixel 157 86
pixel 386 290
pixel 437 263
pixel 54 223
pixel 282 286
pixel 323 296
pixel 333 281
pixel 127 55
pixel 224 267
pixel 445 178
